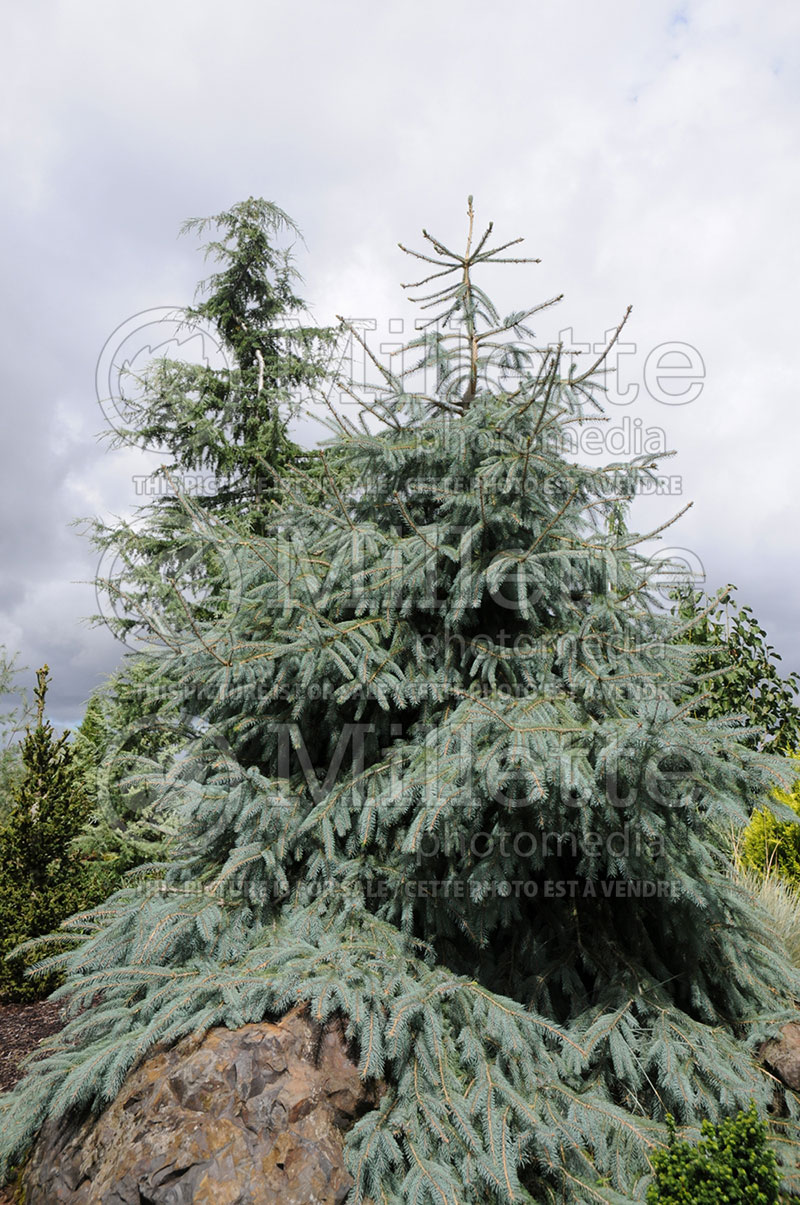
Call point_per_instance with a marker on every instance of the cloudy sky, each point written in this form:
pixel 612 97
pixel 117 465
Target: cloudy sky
pixel 647 152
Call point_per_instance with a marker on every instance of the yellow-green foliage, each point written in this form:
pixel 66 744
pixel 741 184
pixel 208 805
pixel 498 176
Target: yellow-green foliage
pixel 772 846
pixel 731 1163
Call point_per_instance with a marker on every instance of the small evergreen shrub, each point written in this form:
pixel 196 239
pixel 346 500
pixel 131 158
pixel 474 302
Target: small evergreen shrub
pixel 772 846
pixel 731 1163
pixel 41 881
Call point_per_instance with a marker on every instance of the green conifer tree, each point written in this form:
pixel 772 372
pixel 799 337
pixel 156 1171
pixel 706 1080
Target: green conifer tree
pixel 228 427
pixel 429 793
pixel 131 724
pixel 224 426
pixel 41 882
pixel 231 422
pixel 13 722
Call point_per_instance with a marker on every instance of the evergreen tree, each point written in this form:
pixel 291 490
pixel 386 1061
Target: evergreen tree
pixel 41 882
pixel 131 725
pixel 12 724
pixel 231 423
pixel 444 772
pixel 225 426
pixel 228 427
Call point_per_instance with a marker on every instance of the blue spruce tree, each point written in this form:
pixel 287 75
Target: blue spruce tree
pixel 446 786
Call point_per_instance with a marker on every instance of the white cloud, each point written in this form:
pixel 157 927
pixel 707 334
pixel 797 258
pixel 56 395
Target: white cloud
pixel 648 153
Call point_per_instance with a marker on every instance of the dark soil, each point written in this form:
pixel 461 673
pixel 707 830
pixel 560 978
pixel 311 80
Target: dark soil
pixel 21 1028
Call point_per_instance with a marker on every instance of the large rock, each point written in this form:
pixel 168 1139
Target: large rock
pixel 251 1116
pixel 782 1055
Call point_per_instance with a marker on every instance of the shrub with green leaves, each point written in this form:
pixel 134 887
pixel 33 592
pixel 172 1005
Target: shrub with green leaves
pixel 738 669
pixel 738 674
pixel 731 1163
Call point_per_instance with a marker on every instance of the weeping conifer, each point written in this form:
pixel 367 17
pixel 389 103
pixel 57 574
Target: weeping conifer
pixel 223 430
pixel 443 756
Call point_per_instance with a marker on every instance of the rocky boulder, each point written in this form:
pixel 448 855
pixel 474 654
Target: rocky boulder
pixel 251 1116
pixel 782 1056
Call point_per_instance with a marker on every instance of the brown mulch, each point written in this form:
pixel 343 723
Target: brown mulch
pixel 22 1026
